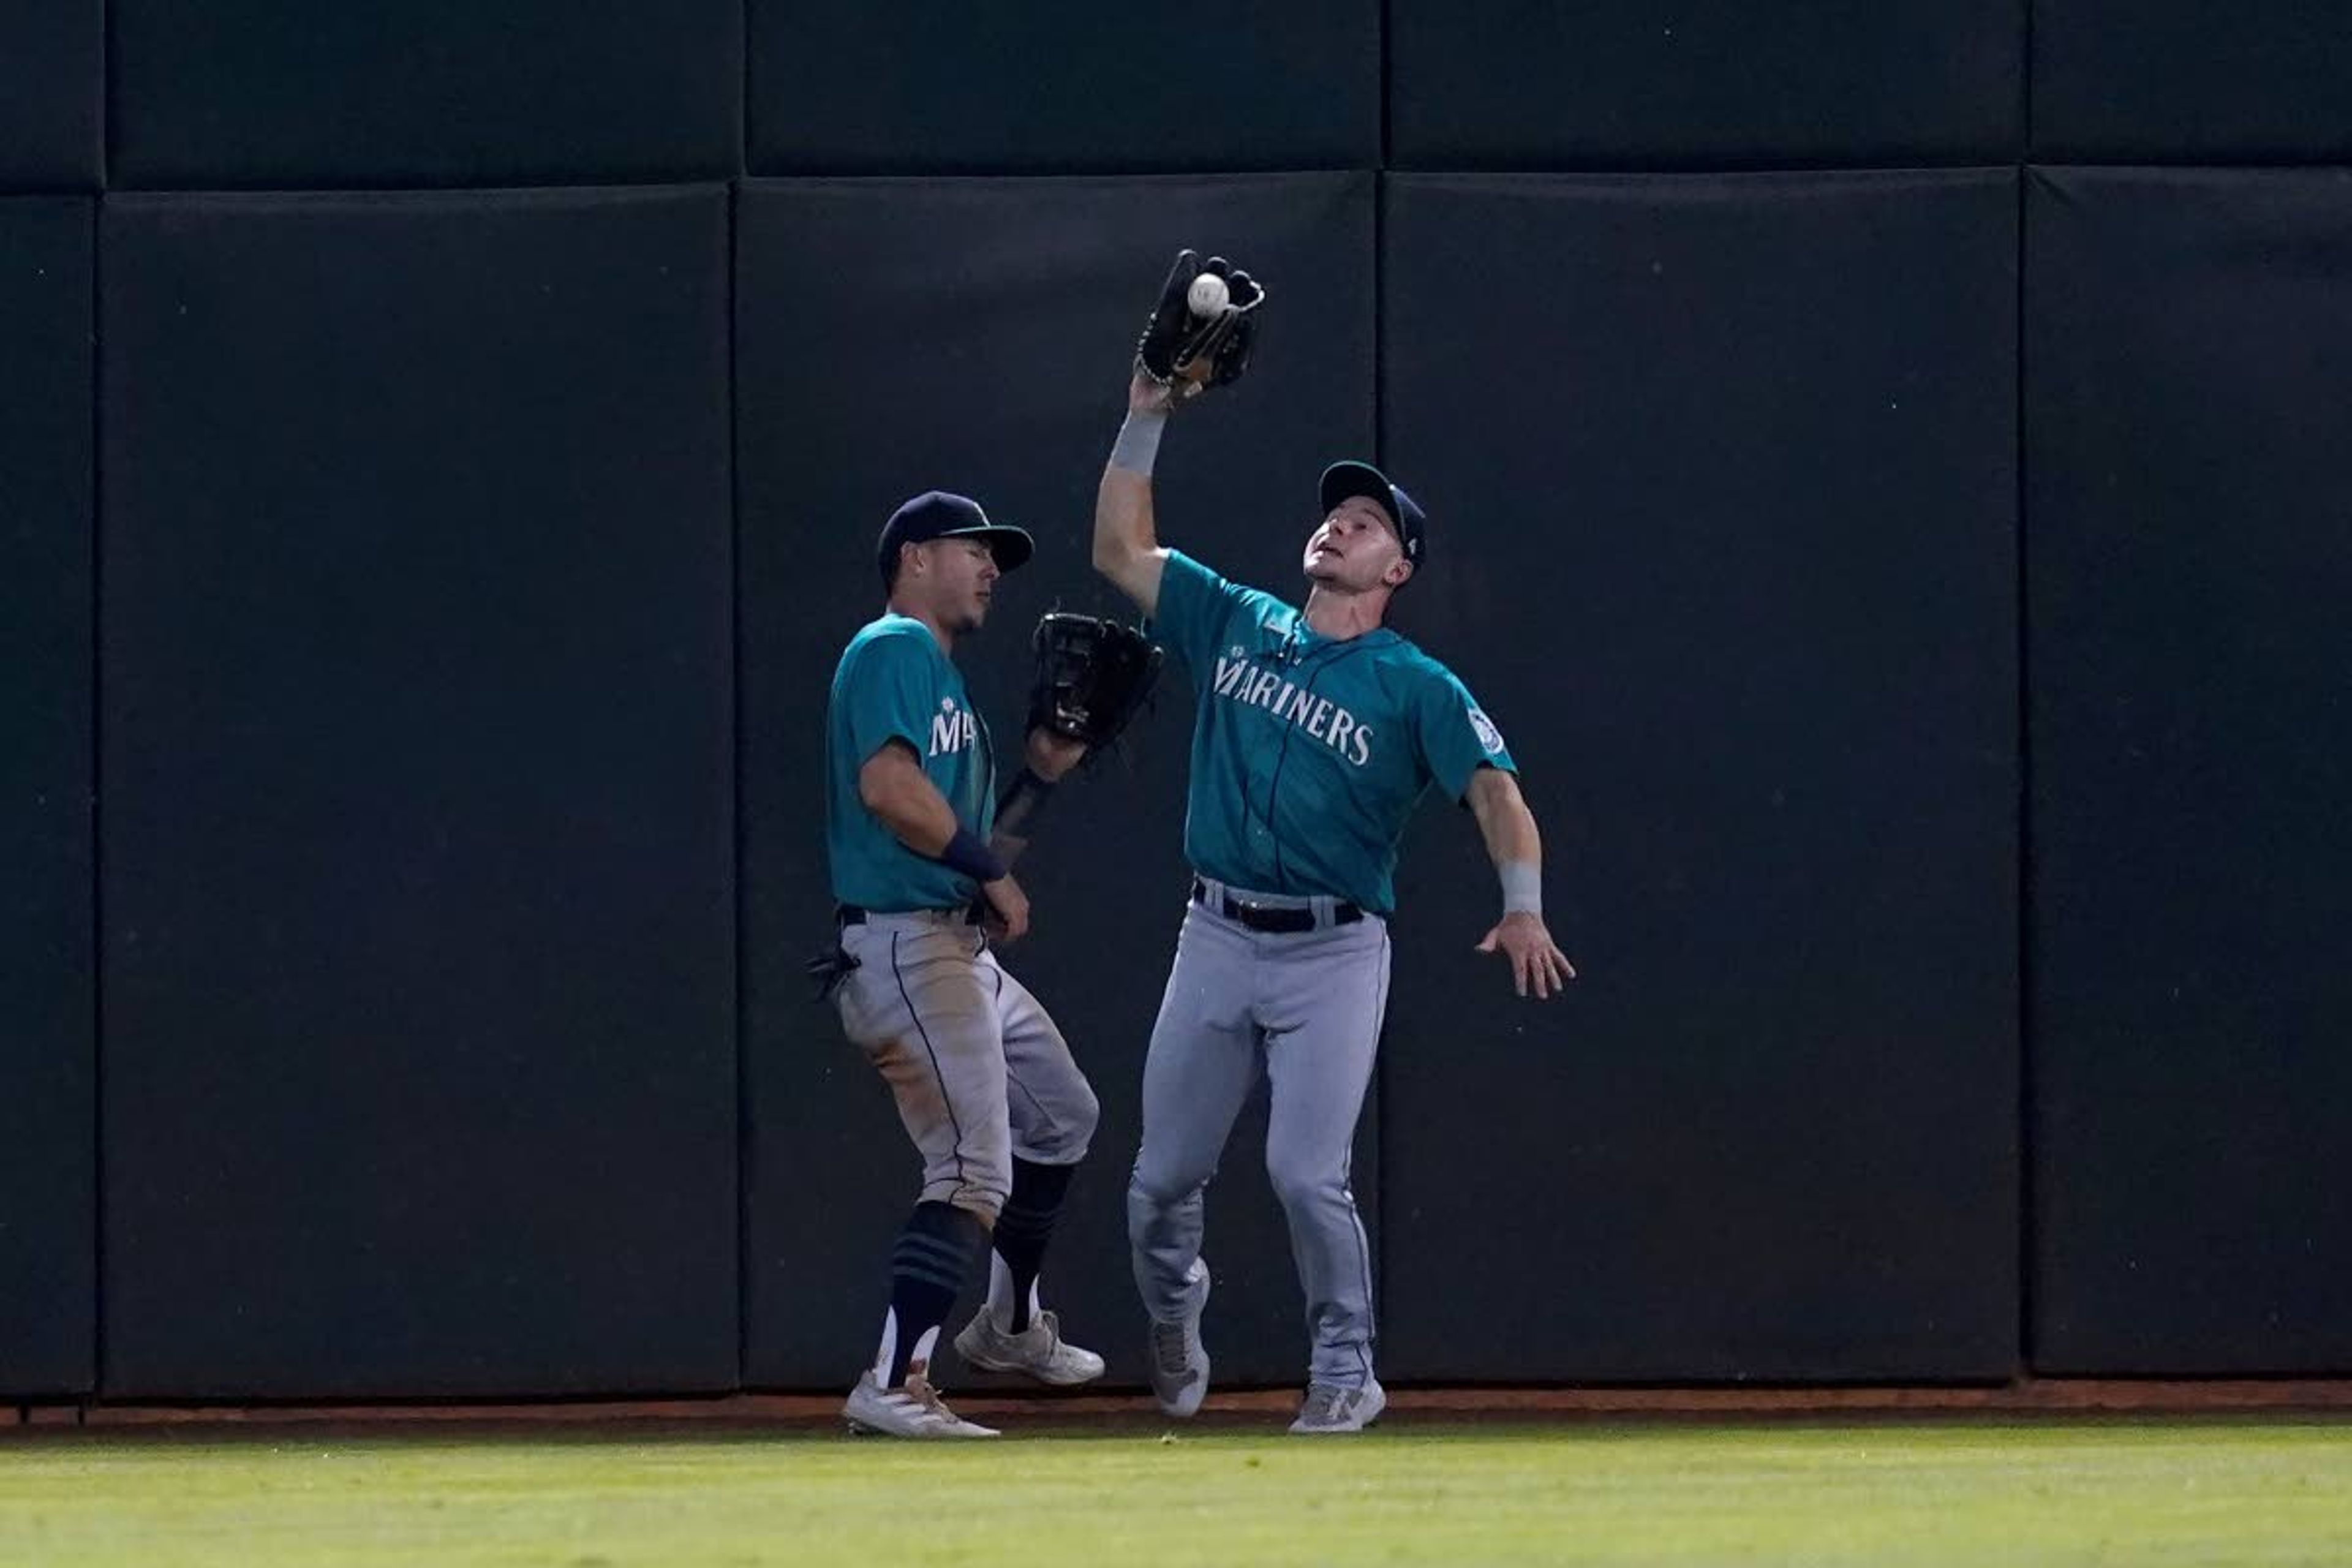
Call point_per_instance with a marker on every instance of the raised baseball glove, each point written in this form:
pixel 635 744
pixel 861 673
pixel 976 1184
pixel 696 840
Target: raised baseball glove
pixel 1200 347
pixel 1091 676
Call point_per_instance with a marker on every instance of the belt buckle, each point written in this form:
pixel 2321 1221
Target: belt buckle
pixel 1276 919
pixel 1250 912
pixel 1272 918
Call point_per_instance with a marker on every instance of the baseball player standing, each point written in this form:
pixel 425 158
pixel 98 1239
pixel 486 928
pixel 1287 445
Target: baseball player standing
pixel 983 1080
pixel 1318 730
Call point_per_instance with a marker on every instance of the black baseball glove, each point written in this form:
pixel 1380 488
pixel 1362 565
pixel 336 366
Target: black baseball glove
pixel 1204 350
pixel 1091 676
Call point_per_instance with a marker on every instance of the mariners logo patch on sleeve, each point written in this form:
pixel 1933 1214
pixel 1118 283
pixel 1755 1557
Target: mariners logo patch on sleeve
pixel 1488 736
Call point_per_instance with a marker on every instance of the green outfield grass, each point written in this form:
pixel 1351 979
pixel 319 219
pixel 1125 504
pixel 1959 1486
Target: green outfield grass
pixel 1416 1491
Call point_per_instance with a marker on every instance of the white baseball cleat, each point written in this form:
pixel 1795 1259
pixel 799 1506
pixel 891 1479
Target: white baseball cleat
pixel 1038 1351
pixel 1180 1365
pixel 914 1409
pixel 1330 1409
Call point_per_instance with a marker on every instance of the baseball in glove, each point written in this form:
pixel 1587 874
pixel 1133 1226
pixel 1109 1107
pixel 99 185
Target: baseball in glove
pixel 1091 676
pixel 1201 327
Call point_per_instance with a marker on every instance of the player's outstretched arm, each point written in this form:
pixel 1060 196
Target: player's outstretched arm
pixel 1513 845
pixel 1047 757
pixel 892 785
pixel 1127 538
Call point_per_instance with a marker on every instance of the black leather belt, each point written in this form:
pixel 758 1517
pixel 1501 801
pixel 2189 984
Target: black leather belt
pixel 851 915
pixel 1271 918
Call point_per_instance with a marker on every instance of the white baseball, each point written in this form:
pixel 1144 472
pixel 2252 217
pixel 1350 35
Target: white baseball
pixel 1207 295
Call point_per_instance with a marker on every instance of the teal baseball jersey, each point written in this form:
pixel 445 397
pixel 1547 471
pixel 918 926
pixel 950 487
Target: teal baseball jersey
pixel 1309 755
pixel 896 683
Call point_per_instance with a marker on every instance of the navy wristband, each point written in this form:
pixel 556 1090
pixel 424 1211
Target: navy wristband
pixel 967 854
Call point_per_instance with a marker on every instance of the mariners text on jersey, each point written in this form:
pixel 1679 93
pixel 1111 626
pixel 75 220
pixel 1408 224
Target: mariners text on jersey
pixel 1241 680
pixel 1309 752
pixel 953 729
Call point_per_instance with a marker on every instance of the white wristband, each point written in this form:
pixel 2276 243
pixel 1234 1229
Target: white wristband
pixel 1138 443
pixel 1522 887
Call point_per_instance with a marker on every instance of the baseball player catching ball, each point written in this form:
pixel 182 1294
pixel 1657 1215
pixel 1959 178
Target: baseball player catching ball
pixel 1318 730
pixel 983 1080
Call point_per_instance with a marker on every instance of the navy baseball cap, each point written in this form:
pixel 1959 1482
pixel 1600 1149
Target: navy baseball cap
pixel 1341 480
pixel 936 514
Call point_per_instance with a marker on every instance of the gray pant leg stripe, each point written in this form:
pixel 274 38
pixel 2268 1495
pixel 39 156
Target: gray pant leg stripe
pixel 1363 1246
pixel 1044 1115
pixel 947 1283
pixel 925 1266
pixel 1051 1126
pixel 946 1104
pixel 1363 1263
pixel 923 1249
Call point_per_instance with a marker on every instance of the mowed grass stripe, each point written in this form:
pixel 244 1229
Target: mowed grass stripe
pixel 2194 1492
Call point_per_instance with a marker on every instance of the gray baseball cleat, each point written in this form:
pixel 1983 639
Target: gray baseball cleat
pixel 1330 1409
pixel 1180 1366
pixel 1038 1351
pixel 912 1410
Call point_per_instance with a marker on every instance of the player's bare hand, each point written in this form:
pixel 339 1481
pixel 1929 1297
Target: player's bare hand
pixel 1539 968
pixel 1008 906
pixel 1050 754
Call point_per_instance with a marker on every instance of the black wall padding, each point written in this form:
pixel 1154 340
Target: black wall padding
pixel 1523 84
pixel 2190 339
pixel 1721 478
pixel 52 81
pixel 419 943
pixel 898 335
pixel 48 1068
pixel 935 87
pixel 2210 81
pixel 425 92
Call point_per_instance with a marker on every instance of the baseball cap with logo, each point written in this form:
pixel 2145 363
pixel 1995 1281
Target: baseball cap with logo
pixel 937 514
pixel 1341 480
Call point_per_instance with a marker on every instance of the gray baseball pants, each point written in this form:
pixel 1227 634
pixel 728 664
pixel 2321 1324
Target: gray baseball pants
pixel 979 1070
pixel 1309 1006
